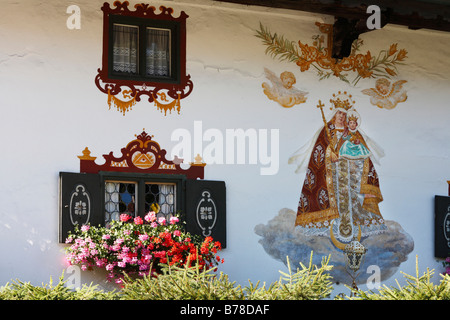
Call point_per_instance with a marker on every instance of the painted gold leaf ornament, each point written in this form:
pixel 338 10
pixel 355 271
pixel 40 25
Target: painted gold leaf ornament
pixel 319 56
pixel 386 95
pixel 282 89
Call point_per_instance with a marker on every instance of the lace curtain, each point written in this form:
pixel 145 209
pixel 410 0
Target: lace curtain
pixel 158 52
pixel 126 50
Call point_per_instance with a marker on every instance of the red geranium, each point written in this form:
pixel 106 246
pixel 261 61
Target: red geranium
pixel 139 247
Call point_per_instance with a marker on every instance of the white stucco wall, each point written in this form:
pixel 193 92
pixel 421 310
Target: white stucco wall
pixel 52 110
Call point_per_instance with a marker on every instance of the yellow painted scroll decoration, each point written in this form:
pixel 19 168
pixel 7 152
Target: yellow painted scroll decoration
pixel 166 106
pixel 122 106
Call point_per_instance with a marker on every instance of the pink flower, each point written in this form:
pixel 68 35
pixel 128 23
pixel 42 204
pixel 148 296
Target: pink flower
pixel 150 217
pixel 143 237
pixel 138 220
pixel 174 220
pixel 162 221
pixel 106 237
pixel 85 228
pixel 153 224
pixel 124 217
pixel 177 233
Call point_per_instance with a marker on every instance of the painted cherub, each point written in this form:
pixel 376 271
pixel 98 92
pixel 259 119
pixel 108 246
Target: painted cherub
pixel 352 145
pixel 385 95
pixel 282 90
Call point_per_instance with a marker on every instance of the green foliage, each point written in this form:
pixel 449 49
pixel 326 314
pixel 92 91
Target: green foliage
pixel 191 283
pixel 187 283
pixel 416 288
pixel 307 283
pixel 278 46
pixel 18 290
pixel 194 283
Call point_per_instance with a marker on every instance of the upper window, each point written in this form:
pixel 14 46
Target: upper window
pixel 143 49
pixel 144 53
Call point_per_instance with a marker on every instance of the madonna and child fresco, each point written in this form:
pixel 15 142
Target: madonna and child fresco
pixel 340 195
pixel 339 202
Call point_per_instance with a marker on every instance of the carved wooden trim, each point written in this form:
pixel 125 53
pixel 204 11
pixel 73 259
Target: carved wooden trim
pixel 141 155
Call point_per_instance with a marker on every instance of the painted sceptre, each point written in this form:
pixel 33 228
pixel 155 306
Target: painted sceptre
pixel 320 106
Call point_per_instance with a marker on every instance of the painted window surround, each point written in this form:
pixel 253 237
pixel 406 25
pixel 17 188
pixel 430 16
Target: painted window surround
pixel 158 89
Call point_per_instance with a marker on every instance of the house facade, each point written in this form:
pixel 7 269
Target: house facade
pixel 248 96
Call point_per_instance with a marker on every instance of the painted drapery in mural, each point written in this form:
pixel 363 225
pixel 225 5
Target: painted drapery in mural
pixel 341 191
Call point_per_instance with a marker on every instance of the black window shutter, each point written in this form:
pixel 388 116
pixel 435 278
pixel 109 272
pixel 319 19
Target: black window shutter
pixel 442 227
pixel 80 202
pixel 206 209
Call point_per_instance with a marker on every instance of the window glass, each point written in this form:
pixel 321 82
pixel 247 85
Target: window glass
pixel 163 195
pixel 120 197
pixel 125 49
pixel 158 52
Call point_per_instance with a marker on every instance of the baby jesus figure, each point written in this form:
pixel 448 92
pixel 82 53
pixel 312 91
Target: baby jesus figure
pixel 352 145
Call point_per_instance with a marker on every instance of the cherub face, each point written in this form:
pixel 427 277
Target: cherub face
pixel 382 88
pixel 288 82
pixel 352 124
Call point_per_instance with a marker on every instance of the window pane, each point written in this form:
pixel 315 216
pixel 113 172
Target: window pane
pixel 163 195
pixel 158 52
pixel 120 197
pixel 125 49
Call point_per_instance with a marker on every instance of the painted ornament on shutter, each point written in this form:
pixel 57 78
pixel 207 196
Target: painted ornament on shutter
pixel 80 206
pixel 447 227
pixel 206 213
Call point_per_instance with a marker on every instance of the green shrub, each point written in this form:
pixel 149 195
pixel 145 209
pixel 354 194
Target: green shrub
pixel 187 283
pixel 190 283
pixel 18 290
pixel 307 283
pixel 416 288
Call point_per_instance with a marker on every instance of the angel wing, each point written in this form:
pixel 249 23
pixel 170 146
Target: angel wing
pixel 373 93
pixel 272 77
pixel 398 92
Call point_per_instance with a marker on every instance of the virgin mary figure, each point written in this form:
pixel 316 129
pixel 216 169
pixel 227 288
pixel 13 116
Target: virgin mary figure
pixel 340 195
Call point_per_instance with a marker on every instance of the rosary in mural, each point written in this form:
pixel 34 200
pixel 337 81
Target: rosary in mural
pixel 338 212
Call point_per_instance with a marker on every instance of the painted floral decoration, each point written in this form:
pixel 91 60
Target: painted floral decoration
pixel 138 247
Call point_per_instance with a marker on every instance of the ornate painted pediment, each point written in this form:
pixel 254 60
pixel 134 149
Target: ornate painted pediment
pixel 141 155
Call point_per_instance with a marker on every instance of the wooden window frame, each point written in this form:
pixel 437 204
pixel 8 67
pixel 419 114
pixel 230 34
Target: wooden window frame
pixel 177 86
pixel 141 179
pixel 142 24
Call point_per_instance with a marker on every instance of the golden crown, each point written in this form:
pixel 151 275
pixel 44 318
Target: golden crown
pixel 342 100
pixel 352 118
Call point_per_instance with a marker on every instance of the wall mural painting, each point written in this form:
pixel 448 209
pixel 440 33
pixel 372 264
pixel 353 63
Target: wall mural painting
pixel 338 213
pixel 386 95
pixel 282 89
